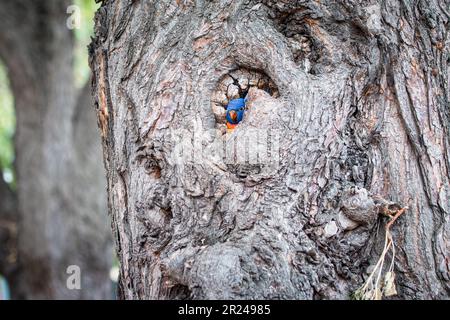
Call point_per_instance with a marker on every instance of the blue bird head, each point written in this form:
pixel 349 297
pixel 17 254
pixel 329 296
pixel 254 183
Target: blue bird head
pixel 235 110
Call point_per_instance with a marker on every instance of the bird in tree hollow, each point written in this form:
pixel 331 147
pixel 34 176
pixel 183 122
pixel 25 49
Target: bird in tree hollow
pixel 235 112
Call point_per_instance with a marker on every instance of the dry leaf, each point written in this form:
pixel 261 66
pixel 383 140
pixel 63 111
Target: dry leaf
pixel 378 294
pixel 389 284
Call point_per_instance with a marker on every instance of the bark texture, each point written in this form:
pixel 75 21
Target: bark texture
pixel 360 123
pixel 61 211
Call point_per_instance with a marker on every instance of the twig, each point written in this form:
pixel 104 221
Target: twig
pixel 395 217
pixel 372 289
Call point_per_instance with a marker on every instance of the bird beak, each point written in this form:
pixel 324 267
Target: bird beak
pixel 233 115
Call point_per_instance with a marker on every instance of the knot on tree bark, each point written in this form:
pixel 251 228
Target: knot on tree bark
pixel 358 205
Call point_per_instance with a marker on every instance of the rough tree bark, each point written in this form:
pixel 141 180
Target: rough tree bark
pixel 61 210
pixel 360 124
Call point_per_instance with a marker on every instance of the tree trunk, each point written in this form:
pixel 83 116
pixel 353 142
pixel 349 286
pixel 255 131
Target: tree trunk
pixel 8 232
pixel 61 201
pixel 347 118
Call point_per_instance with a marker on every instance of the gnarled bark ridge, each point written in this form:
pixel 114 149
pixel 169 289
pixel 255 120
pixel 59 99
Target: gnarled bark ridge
pixel 286 205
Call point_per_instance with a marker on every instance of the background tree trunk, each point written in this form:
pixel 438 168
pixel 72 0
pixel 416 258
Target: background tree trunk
pixel 61 199
pixel 360 125
pixel 8 232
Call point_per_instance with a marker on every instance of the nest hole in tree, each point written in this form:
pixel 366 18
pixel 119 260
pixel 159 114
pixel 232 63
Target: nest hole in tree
pixel 234 85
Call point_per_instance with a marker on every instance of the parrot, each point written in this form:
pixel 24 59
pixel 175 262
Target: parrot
pixel 235 112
